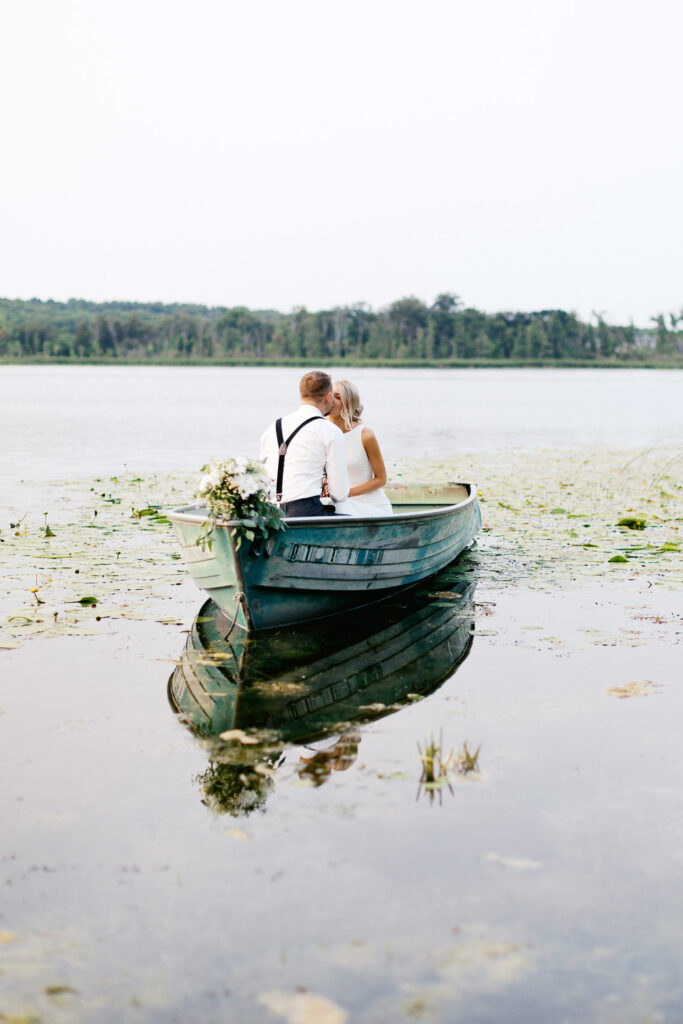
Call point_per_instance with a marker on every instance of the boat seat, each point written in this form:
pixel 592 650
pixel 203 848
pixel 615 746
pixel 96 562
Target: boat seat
pixel 449 493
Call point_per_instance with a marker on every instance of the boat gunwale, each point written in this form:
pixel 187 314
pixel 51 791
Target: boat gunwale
pixel 184 514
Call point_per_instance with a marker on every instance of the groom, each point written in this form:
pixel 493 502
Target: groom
pixel 301 447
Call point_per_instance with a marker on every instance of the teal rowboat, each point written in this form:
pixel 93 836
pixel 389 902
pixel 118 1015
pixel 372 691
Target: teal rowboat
pixel 323 566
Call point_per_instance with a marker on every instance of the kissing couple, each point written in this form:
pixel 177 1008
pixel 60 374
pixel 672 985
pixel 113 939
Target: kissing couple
pixel 323 461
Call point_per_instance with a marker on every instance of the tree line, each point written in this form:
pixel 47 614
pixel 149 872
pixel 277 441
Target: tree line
pixel 408 330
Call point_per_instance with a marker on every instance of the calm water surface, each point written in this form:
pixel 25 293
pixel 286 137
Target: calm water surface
pixel 160 880
pixel 154 873
pixel 66 421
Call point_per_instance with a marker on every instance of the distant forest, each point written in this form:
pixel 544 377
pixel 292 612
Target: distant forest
pixel 407 331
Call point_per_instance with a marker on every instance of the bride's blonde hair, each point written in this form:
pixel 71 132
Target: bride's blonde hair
pixel 351 408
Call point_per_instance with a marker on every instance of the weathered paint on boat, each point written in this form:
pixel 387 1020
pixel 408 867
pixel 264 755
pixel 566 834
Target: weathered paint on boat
pixel 302 684
pixel 322 566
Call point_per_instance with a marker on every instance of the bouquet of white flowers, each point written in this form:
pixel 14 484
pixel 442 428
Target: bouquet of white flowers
pixel 238 489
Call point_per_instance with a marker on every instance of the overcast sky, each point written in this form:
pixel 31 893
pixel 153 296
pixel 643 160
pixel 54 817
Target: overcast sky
pixel 525 154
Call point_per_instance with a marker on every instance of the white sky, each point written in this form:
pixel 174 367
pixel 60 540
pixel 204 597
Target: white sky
pixel 275 153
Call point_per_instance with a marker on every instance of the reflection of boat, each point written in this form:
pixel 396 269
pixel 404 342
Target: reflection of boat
pixel 297 685
pixel 321 566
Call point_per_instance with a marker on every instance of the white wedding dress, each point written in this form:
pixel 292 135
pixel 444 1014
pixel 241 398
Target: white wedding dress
pixel 375 503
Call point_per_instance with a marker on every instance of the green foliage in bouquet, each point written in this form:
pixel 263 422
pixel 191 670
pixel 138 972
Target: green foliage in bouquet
pixel 239 490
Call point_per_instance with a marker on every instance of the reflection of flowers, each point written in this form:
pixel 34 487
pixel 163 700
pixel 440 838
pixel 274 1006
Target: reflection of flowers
pixel 238 489
pixel 234 789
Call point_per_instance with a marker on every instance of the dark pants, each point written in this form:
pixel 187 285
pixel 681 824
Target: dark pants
pixel 306 507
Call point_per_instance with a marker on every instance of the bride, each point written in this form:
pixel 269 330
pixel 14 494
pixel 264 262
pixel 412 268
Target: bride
pixel 367 472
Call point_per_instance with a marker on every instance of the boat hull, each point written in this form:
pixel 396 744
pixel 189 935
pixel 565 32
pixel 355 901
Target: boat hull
pixel 318 567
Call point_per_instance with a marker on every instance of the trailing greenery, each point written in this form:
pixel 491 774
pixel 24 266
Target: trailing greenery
pixel 408 332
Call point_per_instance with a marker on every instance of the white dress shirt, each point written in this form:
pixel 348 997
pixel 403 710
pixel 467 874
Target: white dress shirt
pixel 318 446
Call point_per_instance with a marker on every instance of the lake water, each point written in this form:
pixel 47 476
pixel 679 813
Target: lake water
pixel 67 421
pixel 152 872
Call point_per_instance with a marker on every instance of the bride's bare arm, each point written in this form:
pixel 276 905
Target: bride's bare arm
pixel 372 450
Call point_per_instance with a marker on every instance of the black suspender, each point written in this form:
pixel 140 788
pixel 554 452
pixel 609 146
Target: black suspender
pixel 282 451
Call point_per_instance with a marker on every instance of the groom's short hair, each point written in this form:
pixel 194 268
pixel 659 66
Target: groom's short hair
pixel 315 385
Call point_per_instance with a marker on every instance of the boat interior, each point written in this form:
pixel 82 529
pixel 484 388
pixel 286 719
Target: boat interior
pixel 404 498
pixel 415 497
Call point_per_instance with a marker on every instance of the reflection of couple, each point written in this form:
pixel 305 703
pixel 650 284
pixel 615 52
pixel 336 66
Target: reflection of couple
pixel 303 449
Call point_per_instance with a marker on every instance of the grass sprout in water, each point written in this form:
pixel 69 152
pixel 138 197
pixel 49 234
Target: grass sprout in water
pixel 467 762
pixel 437 768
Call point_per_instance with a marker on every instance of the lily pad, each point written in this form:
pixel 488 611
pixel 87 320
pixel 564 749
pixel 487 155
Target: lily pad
pixel 633 689
pixel 238 735
pixel 633 522
pixel 61 990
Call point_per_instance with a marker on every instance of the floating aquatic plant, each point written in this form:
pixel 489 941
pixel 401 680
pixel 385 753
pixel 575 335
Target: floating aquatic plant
pixel 633 522
pixel 127 562
pixel 635 688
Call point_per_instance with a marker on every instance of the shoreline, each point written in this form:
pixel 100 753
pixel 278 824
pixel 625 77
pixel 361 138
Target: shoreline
pixel 408 364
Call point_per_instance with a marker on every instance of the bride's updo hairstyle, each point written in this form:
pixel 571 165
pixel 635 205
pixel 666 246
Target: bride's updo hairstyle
pixel 351 408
